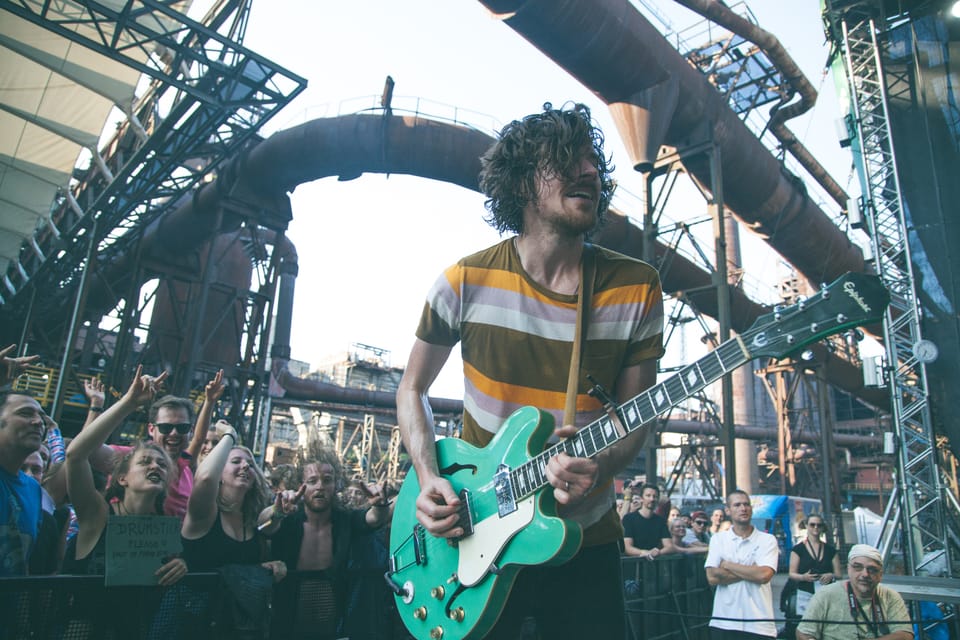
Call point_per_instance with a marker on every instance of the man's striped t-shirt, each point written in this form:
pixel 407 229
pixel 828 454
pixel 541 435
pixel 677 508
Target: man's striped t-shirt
pixel 516 336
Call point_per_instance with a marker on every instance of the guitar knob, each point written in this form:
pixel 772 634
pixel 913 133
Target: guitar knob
pixel 436 633
pixel 420 613
pixel 457 614
pixel 437 592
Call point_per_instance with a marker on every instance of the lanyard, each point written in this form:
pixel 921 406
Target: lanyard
pixel 875 609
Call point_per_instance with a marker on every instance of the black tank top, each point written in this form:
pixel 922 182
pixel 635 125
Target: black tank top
pixel 217 549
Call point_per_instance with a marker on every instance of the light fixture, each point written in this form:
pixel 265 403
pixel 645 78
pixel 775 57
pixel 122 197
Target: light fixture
pixel 955 9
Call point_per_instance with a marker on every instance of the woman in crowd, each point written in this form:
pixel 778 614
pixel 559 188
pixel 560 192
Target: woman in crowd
pixel 229 492
pixel 813 563
pixel 214 433
pixel 138 484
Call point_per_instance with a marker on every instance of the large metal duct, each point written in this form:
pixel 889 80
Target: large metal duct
pixel 616 53
pixel 348 146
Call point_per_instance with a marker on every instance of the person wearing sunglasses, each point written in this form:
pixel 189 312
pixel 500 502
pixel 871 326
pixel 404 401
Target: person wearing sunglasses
pixel 859 607
pixel 698 532
pixel 171 425
pixel 813 563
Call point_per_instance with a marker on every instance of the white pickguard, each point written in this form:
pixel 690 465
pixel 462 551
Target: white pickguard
pixel 490 536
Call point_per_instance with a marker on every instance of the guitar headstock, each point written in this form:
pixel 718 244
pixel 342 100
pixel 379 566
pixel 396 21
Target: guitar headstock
pixel 851 300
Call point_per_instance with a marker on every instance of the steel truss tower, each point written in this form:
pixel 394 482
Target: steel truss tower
pixel 920 506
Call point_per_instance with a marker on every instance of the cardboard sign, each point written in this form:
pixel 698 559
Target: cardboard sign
pixel 139 545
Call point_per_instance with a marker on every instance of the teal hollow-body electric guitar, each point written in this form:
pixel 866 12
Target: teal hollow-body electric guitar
pixel 509 516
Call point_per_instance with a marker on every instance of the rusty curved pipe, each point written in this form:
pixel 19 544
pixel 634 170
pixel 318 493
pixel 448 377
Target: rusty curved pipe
pixel 348 146
pixel 616 53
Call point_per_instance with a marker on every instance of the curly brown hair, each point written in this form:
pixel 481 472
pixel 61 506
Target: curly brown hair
pixel 545 144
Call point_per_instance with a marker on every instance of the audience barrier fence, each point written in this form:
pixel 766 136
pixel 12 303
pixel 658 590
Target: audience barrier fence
pixel 666 599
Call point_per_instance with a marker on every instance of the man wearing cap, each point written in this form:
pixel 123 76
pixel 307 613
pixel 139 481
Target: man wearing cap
pixel 859 607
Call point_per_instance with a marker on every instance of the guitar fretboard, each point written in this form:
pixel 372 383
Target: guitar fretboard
pixel 636 412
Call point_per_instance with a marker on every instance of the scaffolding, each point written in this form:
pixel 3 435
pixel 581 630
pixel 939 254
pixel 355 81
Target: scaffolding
pixel 920 494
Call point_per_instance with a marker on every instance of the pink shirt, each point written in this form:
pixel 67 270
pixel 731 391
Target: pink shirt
pixel 180 487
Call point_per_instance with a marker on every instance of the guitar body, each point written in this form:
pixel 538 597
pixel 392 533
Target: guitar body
pixel 476 574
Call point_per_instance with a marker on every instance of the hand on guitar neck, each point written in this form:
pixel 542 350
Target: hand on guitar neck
pixel 439 506
pixel 572 478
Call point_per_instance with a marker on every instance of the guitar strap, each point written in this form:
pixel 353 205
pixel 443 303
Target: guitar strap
pixel 587 268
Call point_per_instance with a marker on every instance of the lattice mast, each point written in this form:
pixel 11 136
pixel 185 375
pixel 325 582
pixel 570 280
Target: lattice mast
pixel 920 491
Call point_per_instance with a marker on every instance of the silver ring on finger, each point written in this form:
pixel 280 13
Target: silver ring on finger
pixel 568 486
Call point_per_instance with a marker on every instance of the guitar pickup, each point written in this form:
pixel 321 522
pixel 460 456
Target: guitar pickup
pixel 506 500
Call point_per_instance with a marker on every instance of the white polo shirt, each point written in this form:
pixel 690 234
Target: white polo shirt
pixel 744 600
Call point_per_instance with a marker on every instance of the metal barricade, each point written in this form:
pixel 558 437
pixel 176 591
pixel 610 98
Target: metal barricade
pixel 667 598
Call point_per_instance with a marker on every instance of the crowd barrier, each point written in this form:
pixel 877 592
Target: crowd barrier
pixel 666 599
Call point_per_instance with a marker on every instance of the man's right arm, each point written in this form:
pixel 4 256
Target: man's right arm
pixel 437 503
pixel 802 636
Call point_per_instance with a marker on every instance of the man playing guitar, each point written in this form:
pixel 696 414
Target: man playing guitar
pixel 513 309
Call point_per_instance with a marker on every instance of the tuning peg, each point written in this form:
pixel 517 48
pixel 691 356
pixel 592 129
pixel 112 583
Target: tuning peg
pixel 824 292
pixel 801 302
pixel 777 311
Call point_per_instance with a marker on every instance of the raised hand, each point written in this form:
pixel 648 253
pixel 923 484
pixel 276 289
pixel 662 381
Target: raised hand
pixel 288 500
pixel 214 388
pixel 376 493
pixel 93 389
pixel 143 388
pixel 10 368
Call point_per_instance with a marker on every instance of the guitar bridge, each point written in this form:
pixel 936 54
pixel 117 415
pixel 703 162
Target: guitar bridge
pixel 506 500
pixel 465 514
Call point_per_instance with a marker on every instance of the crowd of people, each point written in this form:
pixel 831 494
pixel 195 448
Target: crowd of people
pixel 55 510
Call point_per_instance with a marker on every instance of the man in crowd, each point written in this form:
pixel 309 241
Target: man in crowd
pixel 645 534
pixel 320 534
pixel 513 310
pixel 740 563
pixel 859 607
pixel 21 433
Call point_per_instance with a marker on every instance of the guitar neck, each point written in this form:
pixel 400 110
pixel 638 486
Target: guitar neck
pixel 602 434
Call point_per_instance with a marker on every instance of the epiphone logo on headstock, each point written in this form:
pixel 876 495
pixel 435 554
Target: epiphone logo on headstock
pixel 851 290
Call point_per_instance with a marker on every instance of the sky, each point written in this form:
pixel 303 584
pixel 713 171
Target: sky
pixel 370 248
